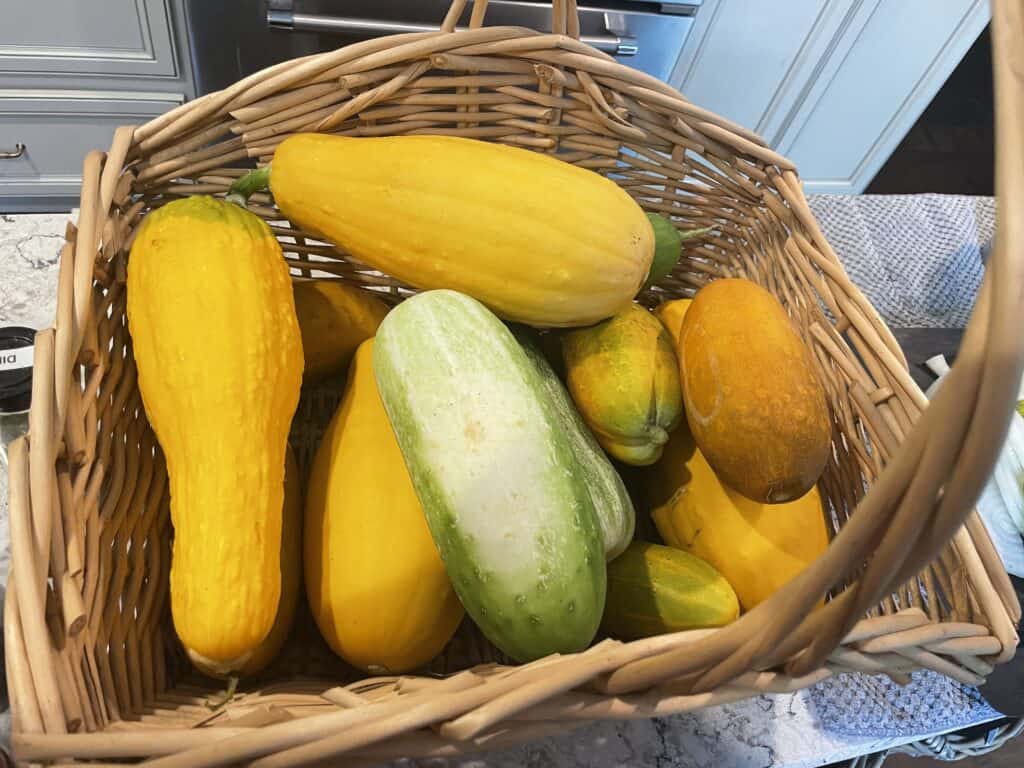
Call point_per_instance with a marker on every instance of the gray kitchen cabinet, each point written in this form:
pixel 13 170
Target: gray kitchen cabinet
pixel 71 71
pixel 50 132
pixel 833 84
pixel 71 37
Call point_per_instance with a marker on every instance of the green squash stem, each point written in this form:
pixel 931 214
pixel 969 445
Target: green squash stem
pixel 257 180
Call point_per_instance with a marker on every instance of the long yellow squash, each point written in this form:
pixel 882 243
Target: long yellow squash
pixel 376 584
pixel 537 240
pixel 219 358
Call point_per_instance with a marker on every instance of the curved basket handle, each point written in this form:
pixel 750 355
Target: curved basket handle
pixel 565 17
pixel 924 495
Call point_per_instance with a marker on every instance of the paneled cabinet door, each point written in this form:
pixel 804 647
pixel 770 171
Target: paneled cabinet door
pixel 87 37
pixel 833 84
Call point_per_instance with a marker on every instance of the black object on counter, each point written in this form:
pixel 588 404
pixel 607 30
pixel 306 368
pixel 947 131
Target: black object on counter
pixel 16 345
pixel 16 349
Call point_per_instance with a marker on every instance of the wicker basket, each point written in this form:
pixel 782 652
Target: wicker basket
pixel 93 667
pixel 949 747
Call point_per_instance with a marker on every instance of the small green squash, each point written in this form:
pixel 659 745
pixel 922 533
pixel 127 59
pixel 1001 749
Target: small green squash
pixel 653 590
pixel 623 375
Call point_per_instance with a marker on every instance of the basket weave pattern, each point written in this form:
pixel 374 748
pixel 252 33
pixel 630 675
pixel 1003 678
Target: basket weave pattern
pixel 93 667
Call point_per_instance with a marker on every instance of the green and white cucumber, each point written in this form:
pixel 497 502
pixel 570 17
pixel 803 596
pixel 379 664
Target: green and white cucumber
pixel 504 496
pixel 611 500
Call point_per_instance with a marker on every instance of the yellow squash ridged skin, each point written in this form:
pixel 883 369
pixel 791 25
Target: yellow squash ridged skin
pixel 653 590
pixel 624 378
pixel 291 581
pixel 219 358
pixel 536 240
pixel 376 584
pixel 757 547
pixel 291 572
pixel 334 318
pixel 753 400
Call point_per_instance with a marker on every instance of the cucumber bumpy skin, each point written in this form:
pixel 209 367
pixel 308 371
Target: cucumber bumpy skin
pixel 614 508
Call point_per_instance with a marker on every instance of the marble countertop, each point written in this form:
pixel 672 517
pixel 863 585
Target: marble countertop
pixel 777 730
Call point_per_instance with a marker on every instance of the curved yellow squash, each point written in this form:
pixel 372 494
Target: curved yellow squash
pixel 376 584
pixel 334 318
pixel 624 378
pixel 219 359
pixel 757 547
pixel 537 240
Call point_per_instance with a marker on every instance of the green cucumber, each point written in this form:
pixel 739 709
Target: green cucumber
pixel 653 590
pixel 611 500
pixel 505 498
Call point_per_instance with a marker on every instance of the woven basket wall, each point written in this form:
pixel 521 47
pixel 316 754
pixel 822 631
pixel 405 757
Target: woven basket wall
pixel 93 667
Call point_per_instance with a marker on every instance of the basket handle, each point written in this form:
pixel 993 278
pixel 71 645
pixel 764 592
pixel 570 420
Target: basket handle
pixel 929 489
pixel 565 18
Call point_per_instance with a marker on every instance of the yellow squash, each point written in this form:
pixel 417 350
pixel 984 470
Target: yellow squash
pixel 291 572
pixel 624 378
pixel 376 584
pixel 334 318
pixel 671 314
pixel 291 575
pixel 757 547
pixel 219 358
pixel 537 240
pixel 653 590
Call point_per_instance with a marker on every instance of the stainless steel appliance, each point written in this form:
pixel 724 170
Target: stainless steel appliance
pixel 232 39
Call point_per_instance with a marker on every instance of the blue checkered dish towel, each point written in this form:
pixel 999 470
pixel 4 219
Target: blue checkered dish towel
pixel 919 259
pixel 859 705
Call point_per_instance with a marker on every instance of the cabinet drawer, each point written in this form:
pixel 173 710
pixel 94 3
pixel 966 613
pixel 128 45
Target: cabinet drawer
pixel 98 37
pixel 57 129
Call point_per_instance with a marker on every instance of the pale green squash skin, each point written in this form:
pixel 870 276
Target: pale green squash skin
pixel 614 508
pixel 505 498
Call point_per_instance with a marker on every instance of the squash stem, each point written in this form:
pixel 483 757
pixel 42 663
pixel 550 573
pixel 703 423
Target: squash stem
pixel 254 181
pixel 228 695
pixel 692 233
